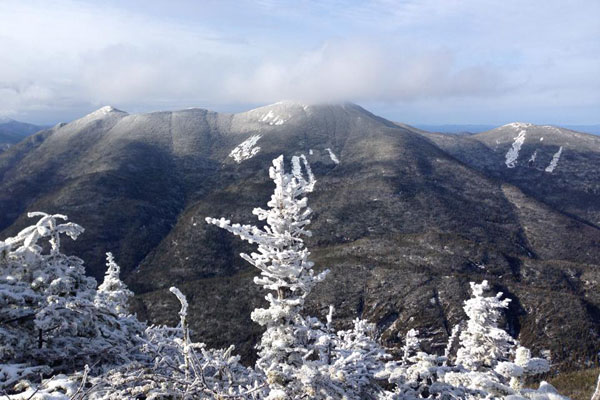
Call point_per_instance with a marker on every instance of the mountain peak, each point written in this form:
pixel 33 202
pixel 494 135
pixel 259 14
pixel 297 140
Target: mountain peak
pixel 102 112
pixel 517 125
pixel 106 110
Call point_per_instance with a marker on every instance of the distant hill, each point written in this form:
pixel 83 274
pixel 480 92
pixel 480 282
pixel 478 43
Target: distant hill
pixel 403 218
pixel 478 128
pixel 12 132
pixel 455 129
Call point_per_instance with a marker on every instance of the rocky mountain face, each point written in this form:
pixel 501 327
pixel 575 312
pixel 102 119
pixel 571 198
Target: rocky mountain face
pixel 12 132
pixel 403 218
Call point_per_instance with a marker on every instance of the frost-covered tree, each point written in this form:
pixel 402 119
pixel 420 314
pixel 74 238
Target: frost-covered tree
pixel 178 368
pixel 49 321
pixel 482 343
pixel 488 358
pixel 113 294
pixel 286 271
pixel 299 355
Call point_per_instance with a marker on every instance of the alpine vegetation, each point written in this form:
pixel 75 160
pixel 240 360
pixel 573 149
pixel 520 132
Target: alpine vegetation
pixel 53 320
pixel 61 338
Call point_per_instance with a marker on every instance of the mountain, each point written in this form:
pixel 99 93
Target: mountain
pixel 478 128
pixel 551 164
pixel 12 132
pixel 455 128
pixel 403 218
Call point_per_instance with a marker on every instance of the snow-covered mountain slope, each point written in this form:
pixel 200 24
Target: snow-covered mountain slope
pixel 404 219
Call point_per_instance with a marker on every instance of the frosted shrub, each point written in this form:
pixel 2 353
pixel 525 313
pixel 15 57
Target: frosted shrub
pixel 49 320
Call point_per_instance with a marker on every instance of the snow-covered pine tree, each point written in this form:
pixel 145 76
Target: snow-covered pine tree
pixel 113 294
pixel 482 343
pixel 299 355
pixel 488 357
pixel 178 368
pixel 48 318
pixel 286 271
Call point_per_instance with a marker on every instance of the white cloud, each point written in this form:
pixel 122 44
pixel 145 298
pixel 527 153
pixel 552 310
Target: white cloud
pixel 359 71
pixel 59 56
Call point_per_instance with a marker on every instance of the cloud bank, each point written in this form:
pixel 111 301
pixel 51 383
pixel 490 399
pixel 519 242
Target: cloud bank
pixel 63 58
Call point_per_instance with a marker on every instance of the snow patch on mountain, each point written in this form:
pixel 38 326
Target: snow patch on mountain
pixel 332 156
pixel 533 157
pixel 513 153
pixel 517 125
pixel 550 168
pixel 272 118
pixel 103 112
pixel 246 150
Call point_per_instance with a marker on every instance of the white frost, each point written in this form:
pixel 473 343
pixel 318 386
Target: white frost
pixel 272 119
pixel 554 162
pixel 517 125
pixel 513 153
pixel 533 157
pixel 246 149
pixel 332 156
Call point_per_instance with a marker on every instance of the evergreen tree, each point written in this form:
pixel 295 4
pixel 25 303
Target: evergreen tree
pixel 113 294
pixel 49 319
pixel 482 343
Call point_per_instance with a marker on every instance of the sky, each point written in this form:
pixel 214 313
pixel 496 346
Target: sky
pixel 428 61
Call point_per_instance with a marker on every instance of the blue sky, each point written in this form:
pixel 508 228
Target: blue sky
pixel 429 61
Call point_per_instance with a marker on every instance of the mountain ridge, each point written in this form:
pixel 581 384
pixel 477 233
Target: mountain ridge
pixel 12 132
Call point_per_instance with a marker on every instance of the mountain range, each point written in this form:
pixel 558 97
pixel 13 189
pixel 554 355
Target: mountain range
pixel 12 132
pixel 404 218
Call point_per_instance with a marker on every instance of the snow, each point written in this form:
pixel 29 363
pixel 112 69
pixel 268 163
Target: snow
pixel 272 118
pixel 246 150
pixel 513 153
pixel 533 157
pixel 517 125
pixel 332 156
pixel 106 110
pixel 103 112
pixel 550 168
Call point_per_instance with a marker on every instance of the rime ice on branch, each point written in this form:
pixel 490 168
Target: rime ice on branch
pixel 283 262
pixel 48 319
pixel 281 257
pixel 113 294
